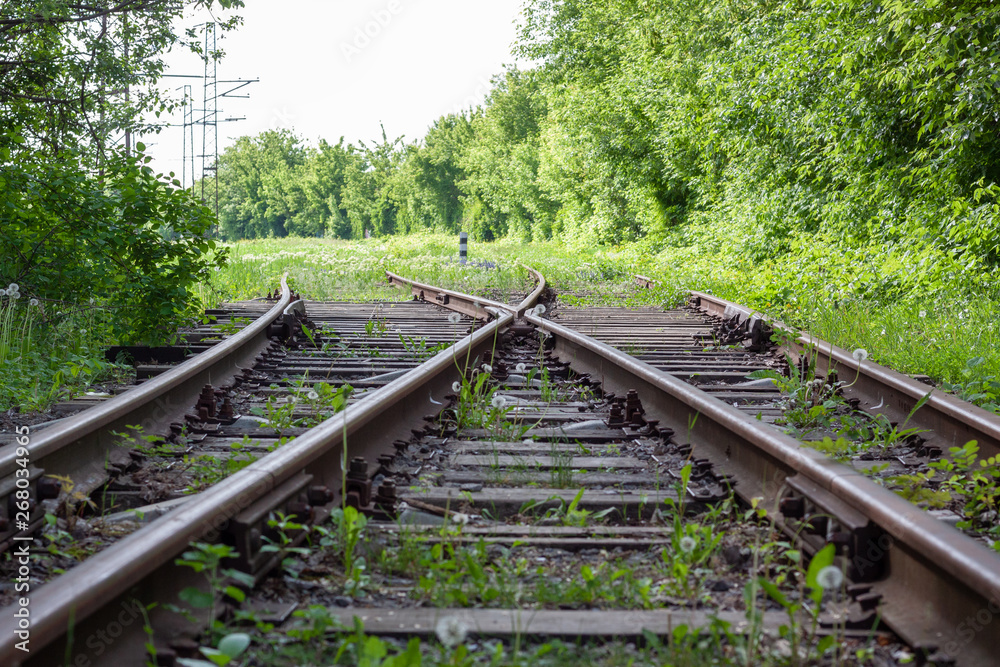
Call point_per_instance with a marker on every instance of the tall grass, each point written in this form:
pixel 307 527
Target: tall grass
pixel 919 324
pixel 46 358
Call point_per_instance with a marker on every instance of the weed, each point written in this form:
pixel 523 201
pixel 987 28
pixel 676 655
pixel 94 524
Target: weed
pixel 233 325
pixel 207 559
pixel 349 528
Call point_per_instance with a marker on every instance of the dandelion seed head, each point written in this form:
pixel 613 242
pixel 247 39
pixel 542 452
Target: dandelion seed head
pixel 451 631
pixel 487 368
pixel 687 544
pixel 829 577
pixel 520 368
pixel 312 395
pixel 860 354
pixel 454 318
pixel 459 518
pixel 3 292
pixel 539 310
pixel 498 402
pixel 456 387
pixel 33 302
pixel 13 287
pixel 923 313
pixel 13 295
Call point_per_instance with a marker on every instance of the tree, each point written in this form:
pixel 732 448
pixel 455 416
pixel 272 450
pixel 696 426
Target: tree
pixel 84 217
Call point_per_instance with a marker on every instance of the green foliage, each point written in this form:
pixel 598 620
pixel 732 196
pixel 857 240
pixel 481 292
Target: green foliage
pixel 85 221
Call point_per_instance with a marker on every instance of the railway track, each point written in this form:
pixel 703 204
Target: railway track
pixel 484 471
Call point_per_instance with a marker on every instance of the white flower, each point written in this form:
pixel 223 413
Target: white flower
pixel 487 368
pixel 520 368
pixel 454 318
pixel 923 313
pixel 688 544
pixel 499 402
pixel 451 631
pixel 829 577
pixel 33 302
pixel 860 354
pixel 456 387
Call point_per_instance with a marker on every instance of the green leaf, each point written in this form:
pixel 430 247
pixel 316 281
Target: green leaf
pixel 823 558
pixel 196 597
pixel 234 644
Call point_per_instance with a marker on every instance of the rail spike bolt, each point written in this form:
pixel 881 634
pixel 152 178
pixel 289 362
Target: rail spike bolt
pixel 319 495
pixel 48 488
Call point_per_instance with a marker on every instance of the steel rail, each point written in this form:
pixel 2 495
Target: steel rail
pixel 930 576
pixel 473 306
pixel 467 304
pixel 947 420
pixel 140 569
pixel 83 446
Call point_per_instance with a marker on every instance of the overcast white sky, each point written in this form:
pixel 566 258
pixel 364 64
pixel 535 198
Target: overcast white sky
pixel 332 68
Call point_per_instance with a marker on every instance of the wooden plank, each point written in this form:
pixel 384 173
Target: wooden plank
pixel 502 502
pixel 607 624
pixel 546 462
pixel 533 530
pixel 589 435
pixel 474 446
pixel 579 479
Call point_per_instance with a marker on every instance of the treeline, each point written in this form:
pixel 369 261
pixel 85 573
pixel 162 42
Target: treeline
pixel 866 122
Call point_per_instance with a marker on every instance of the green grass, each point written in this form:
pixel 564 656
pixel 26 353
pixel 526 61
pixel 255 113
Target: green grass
pixel 917 320
pixel 47 355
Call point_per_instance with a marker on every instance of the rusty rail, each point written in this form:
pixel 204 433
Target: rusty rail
pixel 83 447
pixel 929 578
pixel 140 569
pixel 947 420
pixel 473 306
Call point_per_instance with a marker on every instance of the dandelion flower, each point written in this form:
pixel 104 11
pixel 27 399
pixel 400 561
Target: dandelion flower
pixel 829 577
pixel 454 318
pixel 860 354
pixel 687 544
pixel 499 402
pixel 487 368
pixel 456 387
pixel 520 368
pixel 451 631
